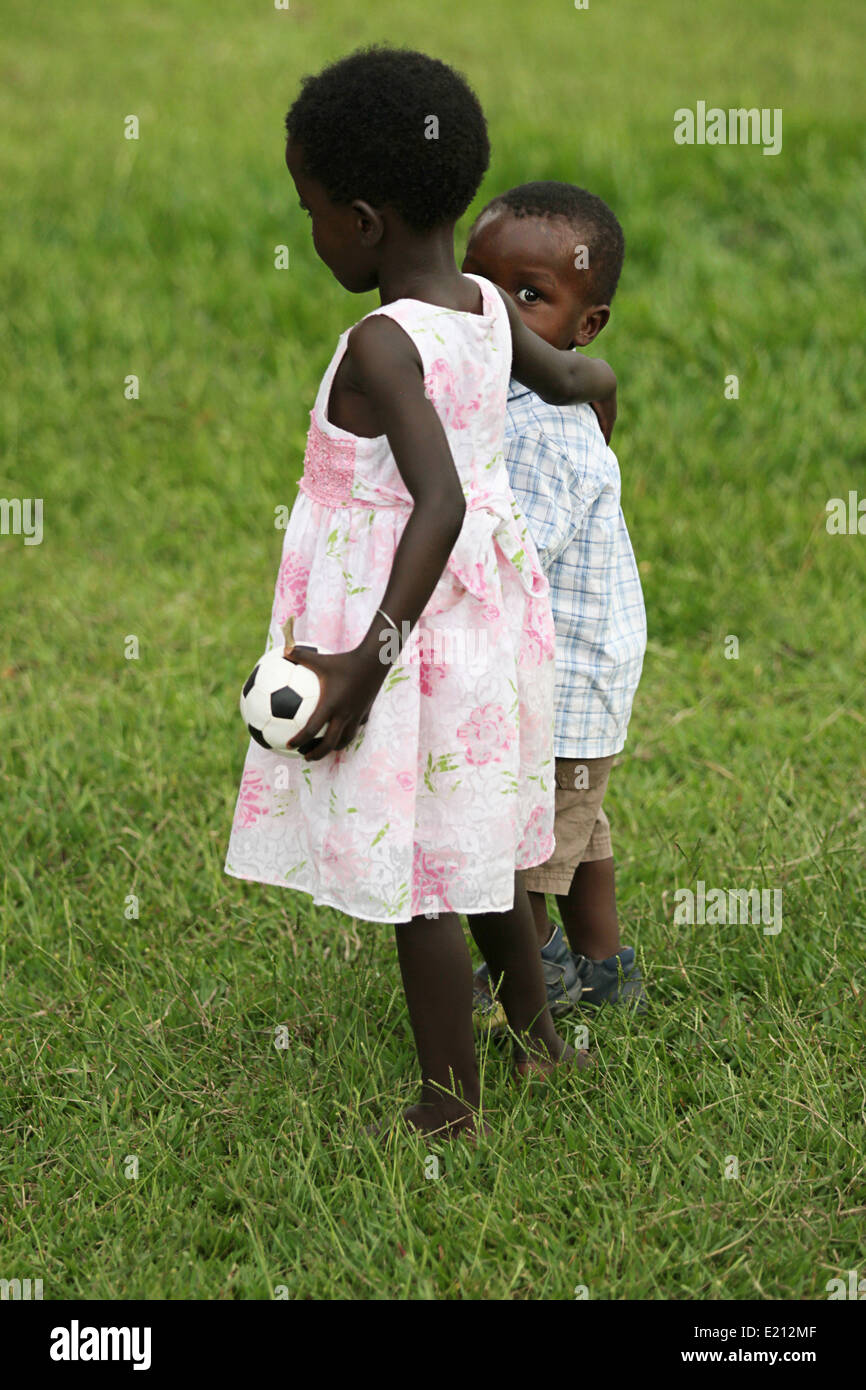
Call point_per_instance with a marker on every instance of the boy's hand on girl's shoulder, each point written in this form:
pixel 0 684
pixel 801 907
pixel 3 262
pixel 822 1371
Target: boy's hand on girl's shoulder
pixel 350 683
pixel 605 412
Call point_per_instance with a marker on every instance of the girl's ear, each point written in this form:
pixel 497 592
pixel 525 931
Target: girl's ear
pixel 592 321
pixel 369 223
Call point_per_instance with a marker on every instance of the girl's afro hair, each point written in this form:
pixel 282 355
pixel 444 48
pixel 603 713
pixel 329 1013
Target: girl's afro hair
pixel 394 127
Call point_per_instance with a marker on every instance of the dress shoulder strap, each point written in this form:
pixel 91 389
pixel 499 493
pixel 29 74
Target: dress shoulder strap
pixel 437 331
pixel 323 394
pixel 433 327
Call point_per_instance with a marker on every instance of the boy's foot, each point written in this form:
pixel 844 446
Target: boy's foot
pixel 561 980
pixel 616 980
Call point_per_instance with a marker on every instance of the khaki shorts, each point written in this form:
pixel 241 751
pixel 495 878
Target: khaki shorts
pixel 580 826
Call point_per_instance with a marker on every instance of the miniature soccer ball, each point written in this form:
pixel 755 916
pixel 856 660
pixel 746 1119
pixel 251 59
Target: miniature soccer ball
pixel 277 700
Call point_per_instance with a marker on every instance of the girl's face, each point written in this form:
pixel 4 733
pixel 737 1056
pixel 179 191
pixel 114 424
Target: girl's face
pixel 340 230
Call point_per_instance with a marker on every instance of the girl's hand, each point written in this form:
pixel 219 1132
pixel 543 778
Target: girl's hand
pixel 605 412
pixel 350 683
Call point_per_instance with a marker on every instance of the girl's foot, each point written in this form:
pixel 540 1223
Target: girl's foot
pixel 539 1065
pixel 435 1121
pixel 445 1121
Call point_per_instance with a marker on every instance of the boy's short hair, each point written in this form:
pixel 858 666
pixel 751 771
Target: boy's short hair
pixel 393 126
pixel 584 212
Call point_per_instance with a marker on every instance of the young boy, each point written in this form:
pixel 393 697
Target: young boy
pixel 558 251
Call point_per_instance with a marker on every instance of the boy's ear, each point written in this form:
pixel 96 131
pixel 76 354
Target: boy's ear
pixel 592 321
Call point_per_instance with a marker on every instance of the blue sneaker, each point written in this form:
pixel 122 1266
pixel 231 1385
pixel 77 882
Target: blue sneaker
pixel 616 980
pixel 564 985
pixel 561 978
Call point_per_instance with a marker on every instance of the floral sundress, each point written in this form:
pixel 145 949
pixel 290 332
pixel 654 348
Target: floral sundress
pixel 449 787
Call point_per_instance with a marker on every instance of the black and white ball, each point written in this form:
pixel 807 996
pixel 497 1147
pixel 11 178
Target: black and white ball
pixel 277 700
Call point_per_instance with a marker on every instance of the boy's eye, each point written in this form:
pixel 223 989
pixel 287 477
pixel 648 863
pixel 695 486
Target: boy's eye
pixel 532 296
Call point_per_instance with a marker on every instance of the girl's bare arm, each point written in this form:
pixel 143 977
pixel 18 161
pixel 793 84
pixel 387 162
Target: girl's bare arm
pixel 385 367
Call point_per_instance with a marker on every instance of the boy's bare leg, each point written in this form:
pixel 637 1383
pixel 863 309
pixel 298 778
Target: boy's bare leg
pixel 588 911
pixel 509 945
pixel 437 978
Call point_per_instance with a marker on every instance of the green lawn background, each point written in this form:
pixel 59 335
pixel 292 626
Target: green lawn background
pixel 152 1038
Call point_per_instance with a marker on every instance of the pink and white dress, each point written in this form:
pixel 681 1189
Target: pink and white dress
pixel 449 786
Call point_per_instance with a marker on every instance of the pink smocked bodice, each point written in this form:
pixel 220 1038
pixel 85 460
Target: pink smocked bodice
pixel 344 470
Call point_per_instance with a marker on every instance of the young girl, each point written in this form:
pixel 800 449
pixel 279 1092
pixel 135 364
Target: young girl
pixel 406 555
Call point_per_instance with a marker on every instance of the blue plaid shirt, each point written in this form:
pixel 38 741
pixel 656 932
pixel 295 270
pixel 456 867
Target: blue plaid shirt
pixel 566 481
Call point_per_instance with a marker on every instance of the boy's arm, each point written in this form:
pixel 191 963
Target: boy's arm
pixel 560 377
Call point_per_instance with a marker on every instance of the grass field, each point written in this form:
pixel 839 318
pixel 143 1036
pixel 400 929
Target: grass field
pixel 151 1038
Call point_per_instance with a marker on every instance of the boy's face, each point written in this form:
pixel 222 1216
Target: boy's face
pixel 340 231
pixel 532 259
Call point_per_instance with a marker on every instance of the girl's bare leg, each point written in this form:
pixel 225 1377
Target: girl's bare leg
pixel 437 978
pixel 538 903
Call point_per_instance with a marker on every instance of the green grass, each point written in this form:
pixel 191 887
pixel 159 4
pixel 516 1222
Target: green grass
pixel 154 1037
